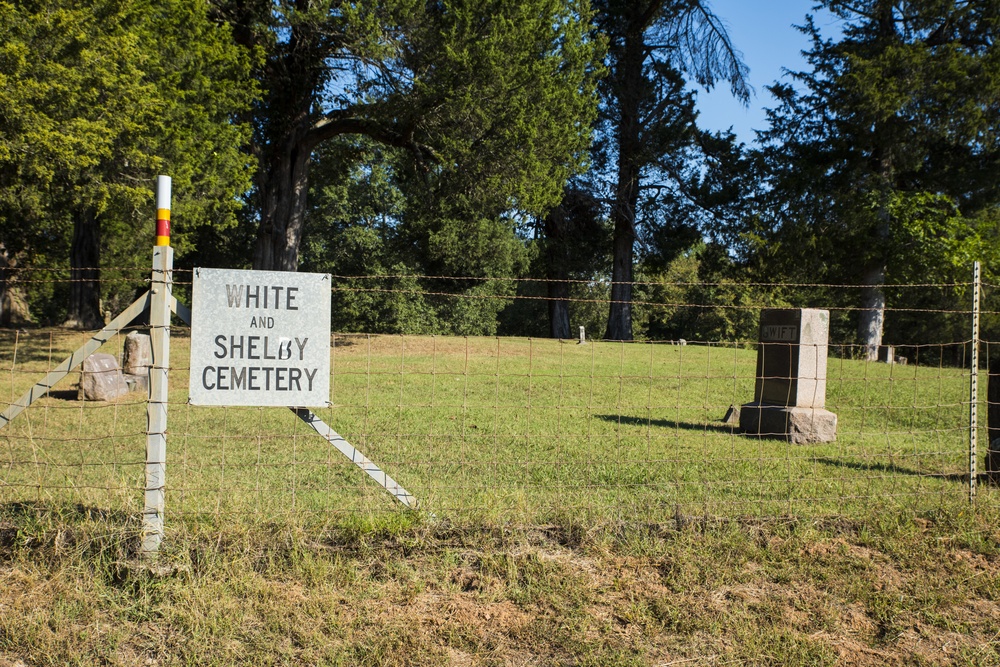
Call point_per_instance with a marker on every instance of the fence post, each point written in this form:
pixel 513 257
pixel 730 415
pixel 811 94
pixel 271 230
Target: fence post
pixel 156 407
pixel 974 384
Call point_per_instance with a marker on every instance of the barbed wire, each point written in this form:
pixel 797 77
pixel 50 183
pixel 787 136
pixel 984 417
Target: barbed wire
pixel 600 282
pixel 634 302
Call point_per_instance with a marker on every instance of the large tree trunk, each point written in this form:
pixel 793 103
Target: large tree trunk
pixel 559 226
pixel 286 146
pixel 558 292
pixel 872 319
pixel 620 311
pixel 85 272
pixel 629 85
pixel 283 191
pixel 14 309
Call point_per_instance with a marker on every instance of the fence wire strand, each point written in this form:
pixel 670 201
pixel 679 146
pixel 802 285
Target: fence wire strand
pixel 517 429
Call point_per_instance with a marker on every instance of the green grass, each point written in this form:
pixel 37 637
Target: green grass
pixel 513 429
pixel 581 505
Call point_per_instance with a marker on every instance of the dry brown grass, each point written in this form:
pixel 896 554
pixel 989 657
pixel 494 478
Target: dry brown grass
pixel 888 591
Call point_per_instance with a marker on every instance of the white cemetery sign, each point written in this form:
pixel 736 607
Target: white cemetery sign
pixel 260 338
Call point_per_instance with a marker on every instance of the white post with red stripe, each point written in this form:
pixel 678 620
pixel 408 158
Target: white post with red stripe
pixel 156 407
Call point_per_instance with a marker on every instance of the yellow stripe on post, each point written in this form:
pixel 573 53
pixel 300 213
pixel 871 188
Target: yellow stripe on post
pixel 163 210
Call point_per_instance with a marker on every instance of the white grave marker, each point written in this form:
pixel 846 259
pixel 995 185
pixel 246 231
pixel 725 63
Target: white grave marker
pixel 260 338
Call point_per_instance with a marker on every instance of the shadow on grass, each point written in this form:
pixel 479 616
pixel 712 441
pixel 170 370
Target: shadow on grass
pixel 64 394
pixel 895 469
pixel 669 423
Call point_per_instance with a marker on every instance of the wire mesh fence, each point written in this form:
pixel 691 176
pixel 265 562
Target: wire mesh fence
pixel 529 429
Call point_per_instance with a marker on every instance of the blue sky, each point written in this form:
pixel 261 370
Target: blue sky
pixel 762 30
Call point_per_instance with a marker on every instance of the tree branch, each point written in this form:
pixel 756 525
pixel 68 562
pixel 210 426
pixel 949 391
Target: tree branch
pixel 737 74
pixel 348 121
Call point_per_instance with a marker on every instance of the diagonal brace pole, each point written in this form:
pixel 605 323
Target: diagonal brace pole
pixel 72 361
pixel 180 310
pixel 356 457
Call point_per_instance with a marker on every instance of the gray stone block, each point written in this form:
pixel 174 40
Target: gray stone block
pixel 138 354
pixel 101 379
pixel 732 415
pixel 795 424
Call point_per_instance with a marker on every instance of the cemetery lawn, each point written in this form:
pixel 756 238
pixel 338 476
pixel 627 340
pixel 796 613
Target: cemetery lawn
pixel 501 430
pixel 579 505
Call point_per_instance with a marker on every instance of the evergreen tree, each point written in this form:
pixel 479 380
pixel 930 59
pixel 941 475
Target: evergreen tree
pixel 648 130
pixel 354 230
pixel 491 102
pixel 97 98
pixel 883 156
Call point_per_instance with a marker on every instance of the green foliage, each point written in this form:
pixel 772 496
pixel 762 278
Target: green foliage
pixel 355 206
pixel 881 157
pixel 893 127
pixel 513 89
pixel 384 250
pixel 97 99
pixel 434 130
pixel 696 297
pixel 486 108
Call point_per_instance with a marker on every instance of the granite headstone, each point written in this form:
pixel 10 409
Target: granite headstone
pixel 790 389
pixel 138 354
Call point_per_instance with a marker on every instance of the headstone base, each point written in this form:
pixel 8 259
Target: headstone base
pixel 794 424
pixel 137 382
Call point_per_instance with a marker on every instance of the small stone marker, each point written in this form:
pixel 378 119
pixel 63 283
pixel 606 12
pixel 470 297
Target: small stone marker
pixel 101 379
pixel 138 355
pixel 887 354
pixel 137 358
pixel 583 336
pixel 790 392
